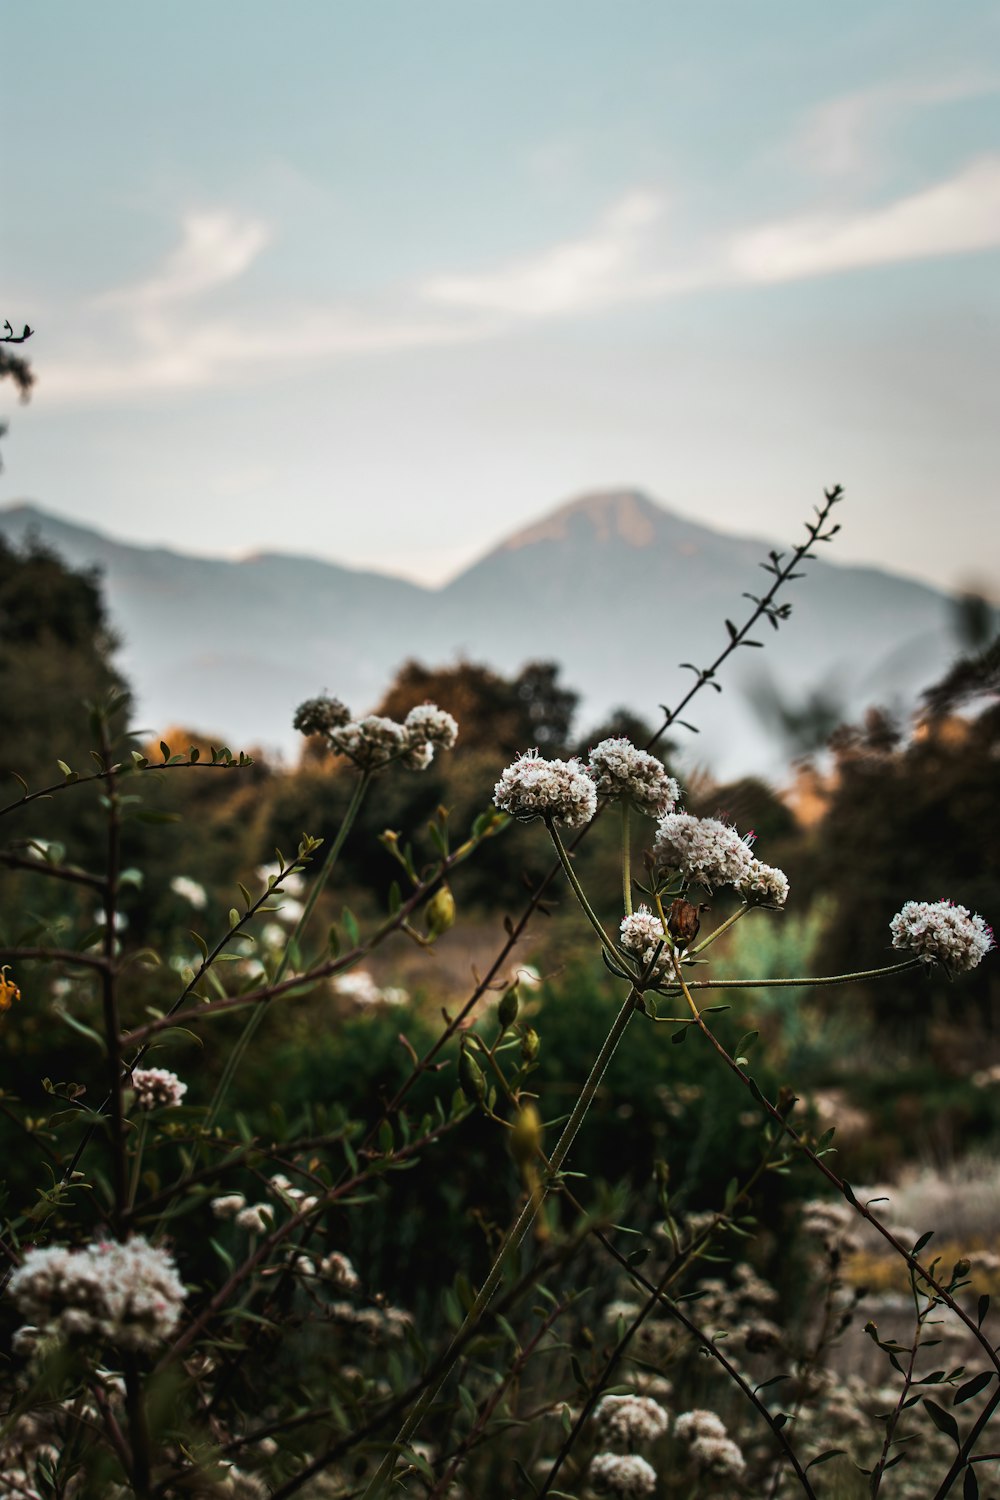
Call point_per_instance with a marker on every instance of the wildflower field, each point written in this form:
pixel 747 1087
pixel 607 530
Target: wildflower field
pixel 478 1110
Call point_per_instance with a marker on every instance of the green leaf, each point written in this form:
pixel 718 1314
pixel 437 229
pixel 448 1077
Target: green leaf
pixel 970 1484
pixel 922 1241
pixel 943 1420
pixel 821 1458
pixel 983 1308
pixel 350 925
pixel 972 1387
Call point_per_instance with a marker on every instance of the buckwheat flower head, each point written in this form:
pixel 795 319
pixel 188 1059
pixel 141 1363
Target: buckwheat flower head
pixel 370 742
pixel 622 771
pixel 321 716
pixel 941 931
pixel 765 885
pixel 630 1420
pixel 699 1423
pixel 419 756
pixel 624 1475
pixel 156 1087
pixel 534 788
pixel 641 934
pixel 702 849
pixel 340 1271
pixel 718 1454
pixel 428 722
pixel 228 1206
pixel 256 1217
pixel 128 1294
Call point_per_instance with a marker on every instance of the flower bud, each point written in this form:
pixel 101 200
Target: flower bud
pixel 508 1008
pixel 962 1268
pixel 530 1044
pixel 471 1078
pixel 440 913
pixel 526 1136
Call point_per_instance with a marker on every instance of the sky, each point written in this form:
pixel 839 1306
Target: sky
pixel 384 280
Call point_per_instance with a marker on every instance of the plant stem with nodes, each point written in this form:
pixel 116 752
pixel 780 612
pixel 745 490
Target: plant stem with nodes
pixel 315 891
pixel 512 1240
pixel 842 1187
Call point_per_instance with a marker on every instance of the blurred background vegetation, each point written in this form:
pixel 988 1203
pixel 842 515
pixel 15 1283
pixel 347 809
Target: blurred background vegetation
pixel 885 812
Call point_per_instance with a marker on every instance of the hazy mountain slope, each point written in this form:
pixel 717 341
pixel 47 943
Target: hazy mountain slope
pixel 616 588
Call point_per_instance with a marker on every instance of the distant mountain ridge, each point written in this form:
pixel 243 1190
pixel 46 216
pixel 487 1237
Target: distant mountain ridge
pixel 615 587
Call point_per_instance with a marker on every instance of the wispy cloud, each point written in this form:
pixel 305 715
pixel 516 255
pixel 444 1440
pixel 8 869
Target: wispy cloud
pixel 160 334
pixel 215 248
pixel 843 137
pixel 578 275
pixel 954 217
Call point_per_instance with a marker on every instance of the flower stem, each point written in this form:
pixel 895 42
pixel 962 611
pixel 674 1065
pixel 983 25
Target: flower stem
pixel 627 856
pixel 580 894
pixel 515 1235
pixel 730 921
pixel 315 891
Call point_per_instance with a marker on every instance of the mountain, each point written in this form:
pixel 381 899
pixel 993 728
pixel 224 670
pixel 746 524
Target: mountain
pixel 615 587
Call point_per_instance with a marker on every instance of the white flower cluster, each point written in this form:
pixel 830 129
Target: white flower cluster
pixel 377 1323
pixel 623 1475
pixel 156 1088
pixel 128 1294
pixel 765 885
pixel 941 931
pixel 630 1421
pixel 534 787
pixel 320 716
pixel 709 1445
pixel 375 741
pixel 641 934
pixel 621 771
pixel 703 850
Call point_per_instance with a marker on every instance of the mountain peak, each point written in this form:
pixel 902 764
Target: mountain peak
pixel 622 515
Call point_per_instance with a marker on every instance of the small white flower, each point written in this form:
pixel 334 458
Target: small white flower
pixel 623 1475
pixel 419 756
pixel 340 1271
pixel 559 789
pixel 127 1294
pixel 436 725
pixel 228 1206
pixel 699 1423
pixel 718 1454
pixel 257 1218
pixel 371 742
pixel 941 931
pixel 765 885
pixel 642 934
pixel 320 715
pixel 156 1088
pixel 620 771
pixel 190 891
pixel 630 1420
pixel 702 849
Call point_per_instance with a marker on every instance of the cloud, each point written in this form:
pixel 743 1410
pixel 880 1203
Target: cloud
pixel 840 137
pixel 580 275
pixel 160 335
pixel 954 217
pixel 215 248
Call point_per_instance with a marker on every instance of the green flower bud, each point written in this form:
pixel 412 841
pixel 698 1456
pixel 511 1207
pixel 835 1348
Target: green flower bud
pixel 471 1078
pixel 530 1044
pixel 440 913
pixel 508 1007
pixel 526 1136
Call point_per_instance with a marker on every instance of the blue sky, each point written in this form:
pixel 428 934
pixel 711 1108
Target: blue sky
pixel 382 281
